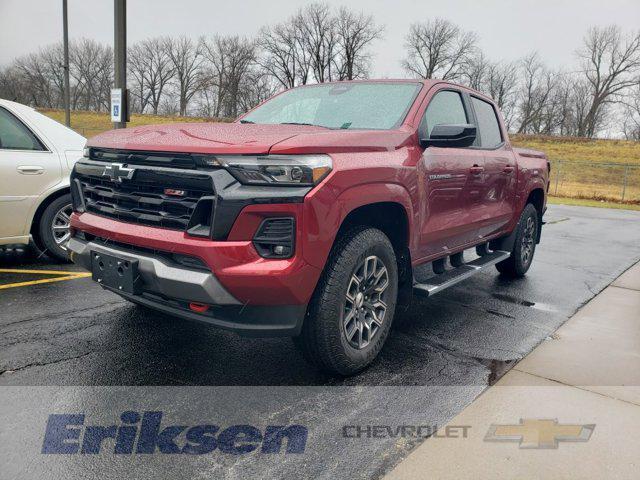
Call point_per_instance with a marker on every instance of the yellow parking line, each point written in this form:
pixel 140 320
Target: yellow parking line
pixel 63 276
pixel 43 272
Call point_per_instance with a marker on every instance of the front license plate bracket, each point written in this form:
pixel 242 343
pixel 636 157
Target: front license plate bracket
pixel 117 273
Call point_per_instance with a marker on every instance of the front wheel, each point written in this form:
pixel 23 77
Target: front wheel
pixel 524 246
pixel 352 309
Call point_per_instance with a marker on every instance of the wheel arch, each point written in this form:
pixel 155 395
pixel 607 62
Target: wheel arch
pixel 389 217
pixel 537 199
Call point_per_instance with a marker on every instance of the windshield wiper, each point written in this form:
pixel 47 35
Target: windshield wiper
pixel 306 124
pixel 246 121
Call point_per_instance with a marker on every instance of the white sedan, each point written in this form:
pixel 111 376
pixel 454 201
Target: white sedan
pixel 36 157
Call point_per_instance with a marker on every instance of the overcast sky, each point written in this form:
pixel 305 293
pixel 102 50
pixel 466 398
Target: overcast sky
pixel 507 29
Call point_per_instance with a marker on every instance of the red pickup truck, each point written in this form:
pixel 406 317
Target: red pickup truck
pixel 308 216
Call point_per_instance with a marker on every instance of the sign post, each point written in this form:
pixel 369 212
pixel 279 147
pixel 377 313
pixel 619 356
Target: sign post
pixel 65 43
pixel 120 65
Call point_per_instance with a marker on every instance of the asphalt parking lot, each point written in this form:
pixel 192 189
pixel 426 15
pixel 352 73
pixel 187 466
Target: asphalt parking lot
pixel 442 354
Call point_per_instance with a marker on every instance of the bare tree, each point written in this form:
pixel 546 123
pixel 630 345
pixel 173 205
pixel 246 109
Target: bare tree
pixel 501 84
pixel 317 28
pixel 186 59
pixel 536 88
pixel 475 74
pixel 610 63
pixel 230 59
pixel 152 70
pixel 13 85
pixel 91 67
pixel 497 80
pixel 136 71
pixel 257 87
pixel 31 67
pixel 355 32
pixel 282 54
pixel 38 77
pixel 319 44
pixel 631 122
pixel 42 72
pixel 53 60
pixel 438 49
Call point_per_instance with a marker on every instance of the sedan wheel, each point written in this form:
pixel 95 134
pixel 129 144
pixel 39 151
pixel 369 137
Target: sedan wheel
pixel 54 229
pixel 60 227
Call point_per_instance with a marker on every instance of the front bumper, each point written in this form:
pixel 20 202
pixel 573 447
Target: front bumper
pixel 158 277
pixel 170 288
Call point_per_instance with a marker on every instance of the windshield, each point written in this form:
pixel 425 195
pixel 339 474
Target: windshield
pixel 367 105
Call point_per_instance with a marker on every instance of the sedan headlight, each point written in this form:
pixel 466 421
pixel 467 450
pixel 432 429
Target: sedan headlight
pixel 295 170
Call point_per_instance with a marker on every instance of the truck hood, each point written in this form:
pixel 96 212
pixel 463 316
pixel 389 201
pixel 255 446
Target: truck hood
pixel 247 139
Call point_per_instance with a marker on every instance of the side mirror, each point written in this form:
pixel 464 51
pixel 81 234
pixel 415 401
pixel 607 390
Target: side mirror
pixel 459 136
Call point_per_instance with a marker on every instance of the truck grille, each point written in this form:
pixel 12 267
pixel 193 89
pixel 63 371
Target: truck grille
pixel 145 200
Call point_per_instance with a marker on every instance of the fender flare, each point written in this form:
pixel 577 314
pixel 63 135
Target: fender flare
pixel 345 203
pixel 534 183
pixel 507 242
pixel 367 194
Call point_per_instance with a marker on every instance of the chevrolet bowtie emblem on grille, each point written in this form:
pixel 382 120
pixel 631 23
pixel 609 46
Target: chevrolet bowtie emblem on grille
pixel 546 433
pixel 117 171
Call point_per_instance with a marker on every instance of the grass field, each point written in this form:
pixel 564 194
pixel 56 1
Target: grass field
pixel 582 149
pixel 589 170
pixel 581 202
pixel 91 123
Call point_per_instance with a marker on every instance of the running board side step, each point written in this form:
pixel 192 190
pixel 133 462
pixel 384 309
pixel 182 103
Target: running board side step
pixel 458 274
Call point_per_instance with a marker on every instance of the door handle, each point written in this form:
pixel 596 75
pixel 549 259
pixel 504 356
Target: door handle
pixel 508 169
pixel 476 170
pixel 30 170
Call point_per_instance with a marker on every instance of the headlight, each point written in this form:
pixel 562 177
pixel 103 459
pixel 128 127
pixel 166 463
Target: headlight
pixel 86 152
pixel 276 169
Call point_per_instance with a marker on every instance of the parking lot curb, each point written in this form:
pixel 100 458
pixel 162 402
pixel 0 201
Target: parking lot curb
pixel 561 412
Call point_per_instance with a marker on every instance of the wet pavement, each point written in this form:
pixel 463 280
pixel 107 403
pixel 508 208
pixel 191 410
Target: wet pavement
pixel 443 351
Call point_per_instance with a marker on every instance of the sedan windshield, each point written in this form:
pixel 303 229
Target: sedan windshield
pixel 366 105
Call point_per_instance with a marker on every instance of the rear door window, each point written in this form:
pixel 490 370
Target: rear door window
pixel 490 135
pixel 14 135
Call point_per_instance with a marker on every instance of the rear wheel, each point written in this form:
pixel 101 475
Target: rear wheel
pixel 524 246
pixel 54 227
pixel 352 309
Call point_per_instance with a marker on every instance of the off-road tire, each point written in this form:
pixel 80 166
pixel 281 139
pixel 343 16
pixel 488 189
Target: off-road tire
pixel 517 265
pixel 323 340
